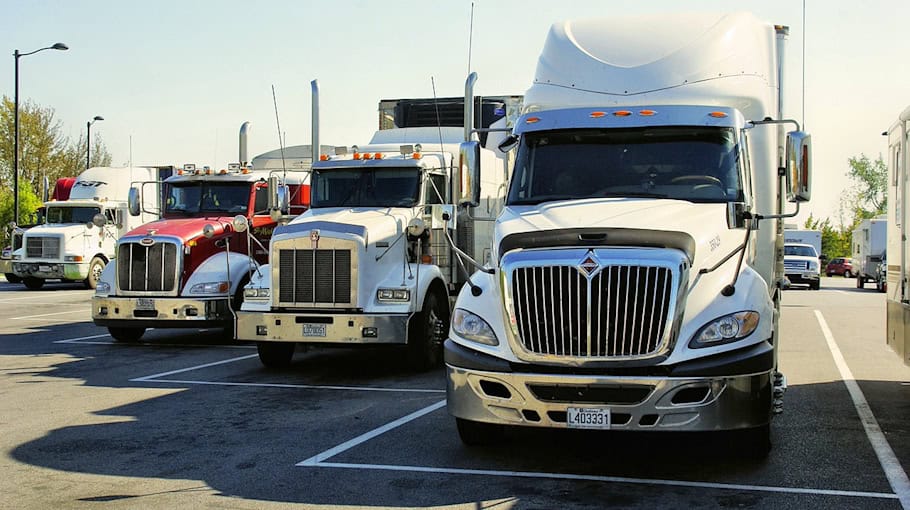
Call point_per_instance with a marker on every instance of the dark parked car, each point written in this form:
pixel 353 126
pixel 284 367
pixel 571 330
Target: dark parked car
pixel 840 266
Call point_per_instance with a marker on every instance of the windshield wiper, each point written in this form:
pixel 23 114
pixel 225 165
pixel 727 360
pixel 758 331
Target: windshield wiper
pixel 633 194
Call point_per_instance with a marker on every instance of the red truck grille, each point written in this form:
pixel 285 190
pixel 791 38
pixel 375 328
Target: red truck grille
pixel 147 268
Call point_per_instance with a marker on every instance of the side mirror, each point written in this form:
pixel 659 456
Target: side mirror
pixel 134 201
pixel 736 215
pixel 279 197
pixel 99 220
pixel 799 166
pixel 508 144
pixel 468 181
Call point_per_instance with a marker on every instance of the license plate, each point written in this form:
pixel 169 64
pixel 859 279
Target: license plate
pixel 44 269
pixel 314 330
pixel 145 304
pixel 588 418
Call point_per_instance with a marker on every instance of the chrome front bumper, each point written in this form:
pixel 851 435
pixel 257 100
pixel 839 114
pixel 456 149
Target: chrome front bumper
pixel 160 311
pixel 51 270
pixel 647 402
pixel 309 327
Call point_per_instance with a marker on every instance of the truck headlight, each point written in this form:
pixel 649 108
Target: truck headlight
pixel 813 265
pixel 210 288
pixel 72 258
pixel 398 295
pixel 103 288
pixel 256 293
pixel 471 327
pixel 726 329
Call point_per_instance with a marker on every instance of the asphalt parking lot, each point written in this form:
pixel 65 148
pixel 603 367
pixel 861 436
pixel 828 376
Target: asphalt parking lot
pixel 189 419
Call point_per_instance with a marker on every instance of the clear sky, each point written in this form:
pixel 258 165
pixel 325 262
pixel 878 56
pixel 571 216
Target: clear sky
pixel 179 77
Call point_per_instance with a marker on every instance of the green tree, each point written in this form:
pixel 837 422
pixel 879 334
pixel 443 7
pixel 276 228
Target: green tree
pixel 867 197
pixel 43 152
pixel 835 241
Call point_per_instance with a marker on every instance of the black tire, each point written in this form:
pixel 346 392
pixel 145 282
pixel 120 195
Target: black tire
pixel 33 283
pixel 815 285
pixel 126 335
pixel 426 333
pixel 860 281
pixel 848 274
pixel 94 272
pixel 275 354
pixel 475 433
pixel 10 277
pixel 828 275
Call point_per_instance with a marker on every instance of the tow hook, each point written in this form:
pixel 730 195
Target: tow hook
pixel 779 389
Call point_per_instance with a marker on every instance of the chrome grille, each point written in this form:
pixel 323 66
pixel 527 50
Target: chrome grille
pixel 321 276
pixel 796 265
pixel 622 311
pixel 151 268
pixel 42 247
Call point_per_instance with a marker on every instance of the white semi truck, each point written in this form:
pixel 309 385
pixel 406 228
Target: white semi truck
pixel 869 241
pixel 897 268
pixel 79 235
pixel 635 276
pixel 370 263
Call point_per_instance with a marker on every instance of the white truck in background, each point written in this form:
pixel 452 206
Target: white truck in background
pixel 897 286
pixel 635 276
pixel 870 241
pixel 802 257
pixel 810 237
pixel 79 235
pixel 370 263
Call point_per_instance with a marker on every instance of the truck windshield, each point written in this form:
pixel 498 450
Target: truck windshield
pixel 58 215
pixel 799 251
pixel 698 164
pixel 205 196
pixel 377 187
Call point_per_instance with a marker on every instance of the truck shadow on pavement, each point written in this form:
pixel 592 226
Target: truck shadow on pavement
pixel 245 441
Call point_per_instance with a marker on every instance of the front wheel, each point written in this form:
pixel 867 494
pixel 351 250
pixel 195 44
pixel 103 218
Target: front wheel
pixel 848 274
pixel 94 273
pixel 127 335
pixel 815 285
pixel 426 332
pixel 275 354
pixel 33 283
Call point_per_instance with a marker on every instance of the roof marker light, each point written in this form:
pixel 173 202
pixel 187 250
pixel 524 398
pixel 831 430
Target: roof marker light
pixel 323 157
pixel 647 113
pixel 416 155
pixel 378 155
pixel 532 120
pixel 357 155
pixel 717 115
pixel 367 155
pixel 222 172
pixel 597 115
pixel 622 113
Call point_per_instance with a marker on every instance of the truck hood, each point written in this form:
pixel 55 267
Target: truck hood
pixel 373 225
pixel 183 228
pixel 699 229
pixel 67 230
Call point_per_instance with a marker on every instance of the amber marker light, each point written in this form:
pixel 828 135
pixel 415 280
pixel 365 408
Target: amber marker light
pixel 532 120
pixel 426 259
pixel 597 115
pixel 323 157
pixel 378 155
pixel 717 115
pixel 622 113
pixel 357 155
pixel 416 155
pixel 647 113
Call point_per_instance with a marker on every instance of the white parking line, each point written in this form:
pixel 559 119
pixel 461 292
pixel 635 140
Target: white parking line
pixel 77 340
pixel 319 459
pixel 896 475
pixel 190 369
pixel 28 317
pixel 297 386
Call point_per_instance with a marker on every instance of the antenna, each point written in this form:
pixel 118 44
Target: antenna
pixel 278 124
pixel 471 36
pixel 131 151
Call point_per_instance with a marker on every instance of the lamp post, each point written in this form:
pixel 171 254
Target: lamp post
pixel 16 55
pixel 88 140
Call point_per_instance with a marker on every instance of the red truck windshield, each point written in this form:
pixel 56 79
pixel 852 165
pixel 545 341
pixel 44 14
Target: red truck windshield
pixel 698 164
pixel 205 196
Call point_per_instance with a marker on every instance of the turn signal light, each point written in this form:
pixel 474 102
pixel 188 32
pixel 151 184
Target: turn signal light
pixel 597 115
pixel 718 115
pixel 532 120
pixel 622 113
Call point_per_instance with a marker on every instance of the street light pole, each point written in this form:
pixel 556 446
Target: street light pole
pixel 88 140
pixel 16 55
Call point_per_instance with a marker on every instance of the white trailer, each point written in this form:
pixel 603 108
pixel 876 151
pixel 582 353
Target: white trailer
pixel 80 234
pixel 869 241
pixel 636 266
pixel 811 237
pixel 897 288
pixel 370 262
